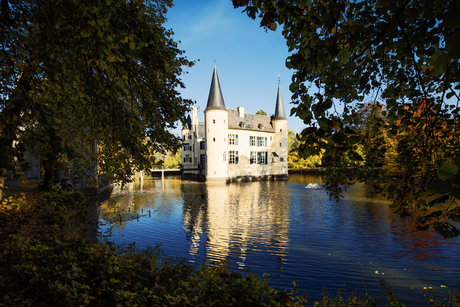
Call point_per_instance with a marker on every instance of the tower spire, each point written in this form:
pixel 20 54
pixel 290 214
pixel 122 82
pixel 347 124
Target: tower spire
pixel 279 109
pixel 215 99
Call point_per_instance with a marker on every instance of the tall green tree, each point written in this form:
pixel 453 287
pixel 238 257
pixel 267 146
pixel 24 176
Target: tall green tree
pixel 398 53
pixel 89 81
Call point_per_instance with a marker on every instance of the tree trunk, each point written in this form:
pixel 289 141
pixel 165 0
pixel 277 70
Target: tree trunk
pixel 3 173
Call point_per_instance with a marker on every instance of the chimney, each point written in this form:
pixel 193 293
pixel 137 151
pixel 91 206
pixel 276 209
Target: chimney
pixel 241 112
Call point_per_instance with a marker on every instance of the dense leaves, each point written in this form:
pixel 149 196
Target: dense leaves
pixel 44 263
pixel 402 56
pixel 85 83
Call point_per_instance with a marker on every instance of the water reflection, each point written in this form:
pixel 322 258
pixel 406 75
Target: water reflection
pixel 286 230
pixel 230 220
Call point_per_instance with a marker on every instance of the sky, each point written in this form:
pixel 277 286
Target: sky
pixel 248 58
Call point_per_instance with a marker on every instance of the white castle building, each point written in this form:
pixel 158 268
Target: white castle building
pixel 232 145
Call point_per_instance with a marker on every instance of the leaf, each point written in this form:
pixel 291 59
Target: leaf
pixel 349 130
pixel 447 171
pixel 454 214
pixel 446 230
pixel 438 200
pixel 343 56
pixel 440 187
pixel 93 62
pixel 439 60
pixel 338 138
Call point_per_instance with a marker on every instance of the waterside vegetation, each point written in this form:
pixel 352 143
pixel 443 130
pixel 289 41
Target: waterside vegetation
pixel 48 260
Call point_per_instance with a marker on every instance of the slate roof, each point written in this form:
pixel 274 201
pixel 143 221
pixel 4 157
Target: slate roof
pixel 215 99
pixel 279 109
pixel 253 122
pixel 201 130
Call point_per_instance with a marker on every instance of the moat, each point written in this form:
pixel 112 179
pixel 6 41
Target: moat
pixel 288 231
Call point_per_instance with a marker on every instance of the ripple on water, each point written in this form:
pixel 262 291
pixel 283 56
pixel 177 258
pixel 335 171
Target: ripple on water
pixel 294 234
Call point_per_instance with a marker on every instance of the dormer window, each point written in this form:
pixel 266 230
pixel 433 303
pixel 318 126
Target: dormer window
pixel 242 125
pixel 261 126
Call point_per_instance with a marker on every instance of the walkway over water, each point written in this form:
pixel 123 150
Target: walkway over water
pixel 169 168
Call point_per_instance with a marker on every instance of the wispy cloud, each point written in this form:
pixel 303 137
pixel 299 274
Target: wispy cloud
pixel 213 18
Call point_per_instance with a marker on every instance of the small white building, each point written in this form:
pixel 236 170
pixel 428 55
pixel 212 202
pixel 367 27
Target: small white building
pixel 232 145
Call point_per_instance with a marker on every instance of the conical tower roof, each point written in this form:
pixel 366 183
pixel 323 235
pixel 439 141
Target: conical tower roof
pixel 215 99
pixel 279 109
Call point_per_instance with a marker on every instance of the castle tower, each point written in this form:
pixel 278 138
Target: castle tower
pixel 280 125
pixel 216 124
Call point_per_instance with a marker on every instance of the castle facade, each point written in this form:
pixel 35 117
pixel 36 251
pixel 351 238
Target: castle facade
pixel 231 145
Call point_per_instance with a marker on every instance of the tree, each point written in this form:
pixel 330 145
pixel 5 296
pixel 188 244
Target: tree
pixel 261 112
pixel 90 81
pixel 294 158
pixel 174 158
pixel 395 52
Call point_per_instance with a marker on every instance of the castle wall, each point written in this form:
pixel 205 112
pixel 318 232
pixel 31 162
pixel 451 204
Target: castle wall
pixel 216 123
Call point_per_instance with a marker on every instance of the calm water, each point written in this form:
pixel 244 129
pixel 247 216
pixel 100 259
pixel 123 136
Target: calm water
pixel 291 232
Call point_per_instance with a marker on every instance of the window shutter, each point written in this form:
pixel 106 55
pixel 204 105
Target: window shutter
pixel 250 141
pixel 258 141
pixel 266 157
pixel 236 140
pixel 258 157
pixel 236 157
pixel 266 142
pixel 229 139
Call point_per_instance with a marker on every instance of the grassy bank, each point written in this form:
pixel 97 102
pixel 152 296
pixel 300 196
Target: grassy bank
pixel 47 260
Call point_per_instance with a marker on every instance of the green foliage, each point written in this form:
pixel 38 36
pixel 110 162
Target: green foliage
pixel 404 57
pixel 88 82
pixel 41 265
pixel 261 112
pixel 174 158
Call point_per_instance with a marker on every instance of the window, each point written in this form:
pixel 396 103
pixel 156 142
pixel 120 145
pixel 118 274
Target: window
pixel 252 141
pixel 233 139
pixel 253 156
pixel 189 136
pixel 225 121
pixel 261 141
pixel 242 125
pixel 281 159
pixel 214 139
pixel 263 157
pixel 259 157
pixel 213 121
pixel 280 145
pixel 233 157
pixel 203 159
pixel 261 127
pixel 187 159
pixel 187 147
pixel 202 145
pixel 270 138
pixel 281 130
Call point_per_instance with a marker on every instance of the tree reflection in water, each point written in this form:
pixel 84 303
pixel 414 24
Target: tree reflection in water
pixel 288 231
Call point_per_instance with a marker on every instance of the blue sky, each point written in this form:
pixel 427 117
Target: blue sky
pixel 249 59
